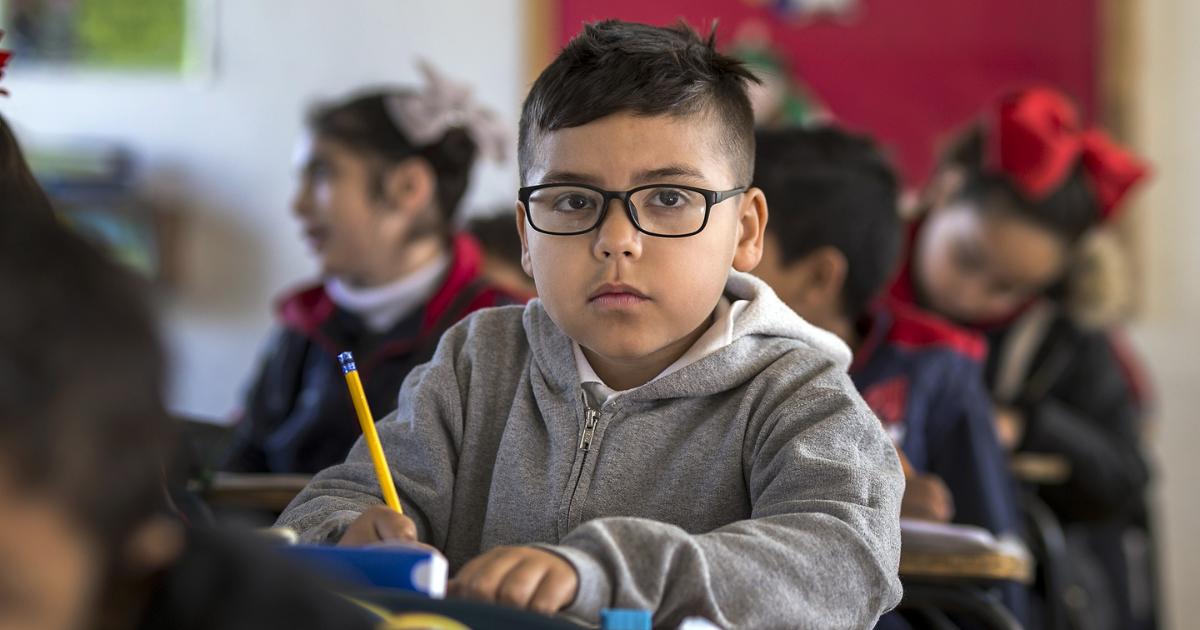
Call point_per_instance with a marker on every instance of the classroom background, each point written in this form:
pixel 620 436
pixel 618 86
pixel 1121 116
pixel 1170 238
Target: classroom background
pixel 201 139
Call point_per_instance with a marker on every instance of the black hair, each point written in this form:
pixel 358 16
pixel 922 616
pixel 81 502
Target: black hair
pixel 614 66
pixel 363 125
pixel 1068 212
pixel 19 191
pixel 498 235
pixel 82 420
pixel 829 188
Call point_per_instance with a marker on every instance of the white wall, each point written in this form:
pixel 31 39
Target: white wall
pixel 222 148
pixel 1168 113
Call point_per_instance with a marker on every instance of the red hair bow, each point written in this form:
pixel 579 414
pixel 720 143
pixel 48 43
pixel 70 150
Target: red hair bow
pixel 1036 138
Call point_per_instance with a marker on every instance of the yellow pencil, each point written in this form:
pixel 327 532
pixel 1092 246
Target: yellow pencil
pixel 368 428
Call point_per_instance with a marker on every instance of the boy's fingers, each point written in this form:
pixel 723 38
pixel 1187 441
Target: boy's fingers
pixel 457 584
pixel 555 592
pixel 518 577
pixel 947 500
pixel 392 525
pixel 379 523
pixel 520 584
pixel 361 531
pixel 938 499
pixel 483 582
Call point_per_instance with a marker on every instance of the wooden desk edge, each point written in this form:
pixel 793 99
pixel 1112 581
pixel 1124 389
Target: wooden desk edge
pixel 272 492
pixel 977 566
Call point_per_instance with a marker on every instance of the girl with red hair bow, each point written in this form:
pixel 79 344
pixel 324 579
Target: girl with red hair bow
pixel 1005 245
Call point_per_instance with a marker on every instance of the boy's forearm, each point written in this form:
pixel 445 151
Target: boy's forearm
pixel 336 496
pixel 796 570
pixel 322 511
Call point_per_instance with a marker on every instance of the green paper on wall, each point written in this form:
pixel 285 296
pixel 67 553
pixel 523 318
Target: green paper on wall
pixel 109 34
pixel 133 33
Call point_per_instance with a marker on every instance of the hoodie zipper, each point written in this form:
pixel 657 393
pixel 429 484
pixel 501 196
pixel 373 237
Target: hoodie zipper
pixel 591 417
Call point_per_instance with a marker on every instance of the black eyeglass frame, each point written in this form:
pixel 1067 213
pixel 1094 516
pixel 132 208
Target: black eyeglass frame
pixel 711 198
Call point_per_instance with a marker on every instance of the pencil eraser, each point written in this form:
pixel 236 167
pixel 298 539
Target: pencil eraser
pixel 347 361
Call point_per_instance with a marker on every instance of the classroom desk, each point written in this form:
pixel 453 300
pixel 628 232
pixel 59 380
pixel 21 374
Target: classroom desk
pixel 266 491
pixel 937 582
pixel 950 582
pixel 985 567
pixel 1040 468
pixel 954 583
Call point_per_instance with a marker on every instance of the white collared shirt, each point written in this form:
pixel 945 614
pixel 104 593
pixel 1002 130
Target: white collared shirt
pixel 382 306
pixel 718 335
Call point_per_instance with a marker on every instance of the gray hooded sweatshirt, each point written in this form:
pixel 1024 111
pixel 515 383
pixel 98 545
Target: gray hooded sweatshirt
pixel 753 487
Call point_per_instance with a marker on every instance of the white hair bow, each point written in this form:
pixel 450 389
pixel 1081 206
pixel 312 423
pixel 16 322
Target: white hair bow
pixel 425 116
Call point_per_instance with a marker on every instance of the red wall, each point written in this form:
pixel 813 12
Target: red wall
pixel 907 71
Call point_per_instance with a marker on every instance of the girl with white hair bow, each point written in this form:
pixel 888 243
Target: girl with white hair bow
pixel 383 174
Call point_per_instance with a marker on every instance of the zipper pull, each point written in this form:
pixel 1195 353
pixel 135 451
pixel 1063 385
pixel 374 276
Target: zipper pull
pixel 590 418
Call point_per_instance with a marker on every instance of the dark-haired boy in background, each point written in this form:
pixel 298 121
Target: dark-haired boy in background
pixel 831 246
pixel 501 242
pixel 658 430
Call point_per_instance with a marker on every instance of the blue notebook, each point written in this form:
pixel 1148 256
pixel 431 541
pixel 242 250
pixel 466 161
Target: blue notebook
pixel 388 566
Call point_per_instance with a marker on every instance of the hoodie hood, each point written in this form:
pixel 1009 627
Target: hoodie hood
pixel 767 315
pixel 765 331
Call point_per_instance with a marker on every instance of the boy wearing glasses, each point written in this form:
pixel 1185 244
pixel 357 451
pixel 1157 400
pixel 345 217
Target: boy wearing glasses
pixel 658 431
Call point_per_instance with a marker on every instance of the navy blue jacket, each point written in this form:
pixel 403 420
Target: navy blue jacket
pixel 298 416
pixel 923 377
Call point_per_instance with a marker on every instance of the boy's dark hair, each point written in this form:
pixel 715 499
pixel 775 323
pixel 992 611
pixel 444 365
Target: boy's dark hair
pixel 1068 212
pixel 19 191
pixel 615 66
pixel 498 235
pixel 827 187
pixel 363 125
pixel 82 420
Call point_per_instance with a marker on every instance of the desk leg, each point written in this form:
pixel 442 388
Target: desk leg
pixel 964 599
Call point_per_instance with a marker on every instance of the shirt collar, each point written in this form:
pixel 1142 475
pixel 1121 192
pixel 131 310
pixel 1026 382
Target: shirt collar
pixel 382 306
pixel 718 336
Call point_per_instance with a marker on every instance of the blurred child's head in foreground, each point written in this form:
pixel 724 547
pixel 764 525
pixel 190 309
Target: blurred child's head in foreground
pixel 383 175
pixel 629 106
pixel 82 430
pixel 18 188
pixel 834 236
pixel 1012 198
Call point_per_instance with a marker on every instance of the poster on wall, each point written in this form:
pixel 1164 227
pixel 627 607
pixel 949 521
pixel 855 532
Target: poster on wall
pixel 910 73
pixel 172 37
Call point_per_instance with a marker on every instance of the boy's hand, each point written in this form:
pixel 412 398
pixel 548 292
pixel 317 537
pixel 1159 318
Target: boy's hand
pixel 377 524
pixel 1010 428
pixel 926 498
pixel 524 577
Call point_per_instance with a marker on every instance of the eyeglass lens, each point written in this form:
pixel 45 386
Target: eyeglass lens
pixel 660 210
